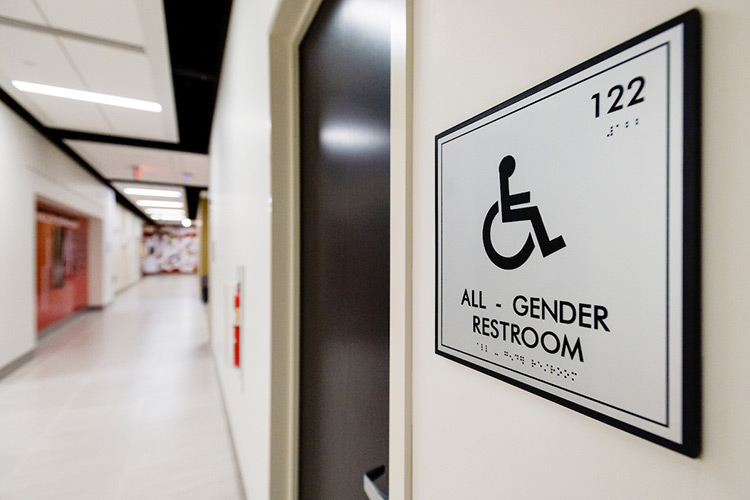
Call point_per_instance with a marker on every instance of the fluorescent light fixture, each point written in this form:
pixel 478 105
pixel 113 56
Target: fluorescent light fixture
pixel 168 217
pixel 159 204
pixel 82 95
pixel 164 193
pixel 166 211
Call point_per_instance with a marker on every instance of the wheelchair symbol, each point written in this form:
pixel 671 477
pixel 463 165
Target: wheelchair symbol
pixel 510 214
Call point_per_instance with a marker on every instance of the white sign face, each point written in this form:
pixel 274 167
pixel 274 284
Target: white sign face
pixel 561 238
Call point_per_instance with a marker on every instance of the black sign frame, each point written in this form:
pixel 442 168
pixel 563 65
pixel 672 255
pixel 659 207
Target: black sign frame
pixel 691 417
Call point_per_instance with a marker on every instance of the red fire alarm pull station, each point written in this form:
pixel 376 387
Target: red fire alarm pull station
pixel 237 326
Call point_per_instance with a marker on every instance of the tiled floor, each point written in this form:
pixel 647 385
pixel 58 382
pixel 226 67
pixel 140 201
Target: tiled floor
pixel 120 404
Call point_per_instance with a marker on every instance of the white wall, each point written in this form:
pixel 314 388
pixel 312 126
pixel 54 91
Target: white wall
pixel 126 249
pixel 474 436
pixel 32 167
pixel 240 219
pixel 477 437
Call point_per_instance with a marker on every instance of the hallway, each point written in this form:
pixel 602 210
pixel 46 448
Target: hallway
pixel 120 404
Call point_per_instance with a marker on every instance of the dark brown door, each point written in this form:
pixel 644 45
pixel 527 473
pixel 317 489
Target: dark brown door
pixel 345 124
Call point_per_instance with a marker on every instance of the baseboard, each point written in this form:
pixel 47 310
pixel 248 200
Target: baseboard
pixel 16 364
pixel 228 424
pixel 46 332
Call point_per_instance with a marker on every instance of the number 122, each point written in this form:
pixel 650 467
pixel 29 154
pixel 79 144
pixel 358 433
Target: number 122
pixel 619 91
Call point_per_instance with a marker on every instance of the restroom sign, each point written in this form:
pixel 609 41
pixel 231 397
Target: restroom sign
pixel 568 238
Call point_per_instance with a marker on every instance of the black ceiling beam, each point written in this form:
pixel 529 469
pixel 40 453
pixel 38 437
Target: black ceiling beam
pixel 195 75
pixel 158 183
pixel 193 197
pixel 120 141
pixel 196 31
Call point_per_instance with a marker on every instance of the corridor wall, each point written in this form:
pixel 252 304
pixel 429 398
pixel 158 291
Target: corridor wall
pixel 477 437
pixel 33 168
pixel 126 252
pixel 240 218
pixel 474 436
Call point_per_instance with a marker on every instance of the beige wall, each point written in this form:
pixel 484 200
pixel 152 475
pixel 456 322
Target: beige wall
pixel 126 251
pixel 240 219
pixel 473 436
pixel 477 437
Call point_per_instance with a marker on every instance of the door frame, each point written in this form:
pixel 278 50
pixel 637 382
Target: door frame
pixel 290 24
pixel 96 243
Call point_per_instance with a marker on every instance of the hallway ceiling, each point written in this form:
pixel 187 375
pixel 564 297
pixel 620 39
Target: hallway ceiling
pixel 119 48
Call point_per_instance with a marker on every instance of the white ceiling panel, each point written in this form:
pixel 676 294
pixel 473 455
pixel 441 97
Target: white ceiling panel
pixel 136 124
pixel 37 57
pixel 125 73
pixel 112 70
pixel 153 22
pixel 64 113
pixel 197 166
pixel 34 57
pixel 117 162
pixel 113 20
pixel 151 173
pixel 23 10
pixel 114 47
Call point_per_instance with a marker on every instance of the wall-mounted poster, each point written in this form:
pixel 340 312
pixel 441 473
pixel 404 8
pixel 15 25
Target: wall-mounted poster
pixel 170 249
pixel 568 238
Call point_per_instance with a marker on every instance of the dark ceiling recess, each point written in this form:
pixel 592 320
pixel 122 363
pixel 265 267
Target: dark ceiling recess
pixel 193 197
pixel 197 31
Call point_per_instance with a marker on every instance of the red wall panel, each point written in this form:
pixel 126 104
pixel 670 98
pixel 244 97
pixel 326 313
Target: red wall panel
pixel 61 265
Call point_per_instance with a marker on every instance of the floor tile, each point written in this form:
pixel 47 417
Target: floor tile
pixel 118 404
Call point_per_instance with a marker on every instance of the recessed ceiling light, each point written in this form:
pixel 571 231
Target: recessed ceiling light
pixel 187 223
pixel 82 95
pixel 159 204
pixel 168 217
pixel 172 211
pixel 164 193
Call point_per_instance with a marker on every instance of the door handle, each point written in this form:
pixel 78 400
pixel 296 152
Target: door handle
pixel 372 491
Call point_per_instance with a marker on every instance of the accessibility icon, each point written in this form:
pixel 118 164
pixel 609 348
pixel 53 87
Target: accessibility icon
pixel 507 207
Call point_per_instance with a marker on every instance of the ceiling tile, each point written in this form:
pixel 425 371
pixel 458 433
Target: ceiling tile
pixel 37 57
pixel 64 113
pixel 137 124
pixel 150 173
pixel 140 71
pixel 23 10
pixel 110 19
pixel 117 162
pixel 112 70
pixel 197 166
pixel 34 57
pixel 125 73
